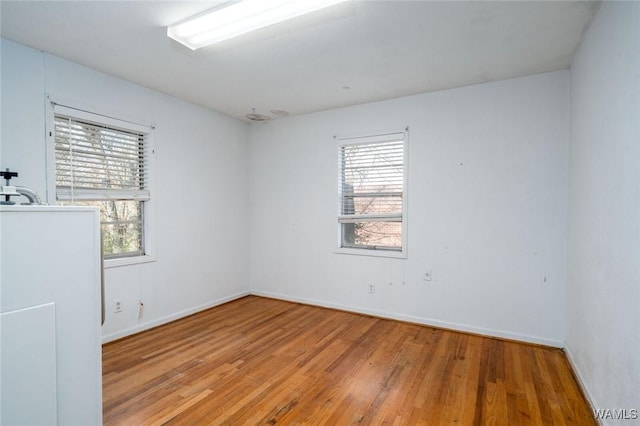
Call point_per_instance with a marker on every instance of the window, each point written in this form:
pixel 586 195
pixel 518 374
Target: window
pixel 372 180
pixel 104 162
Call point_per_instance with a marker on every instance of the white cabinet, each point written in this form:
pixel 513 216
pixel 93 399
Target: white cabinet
pixel 50 312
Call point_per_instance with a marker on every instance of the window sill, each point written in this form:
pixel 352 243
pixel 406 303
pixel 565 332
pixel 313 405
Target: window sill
pixel 126 261
pixel 374 253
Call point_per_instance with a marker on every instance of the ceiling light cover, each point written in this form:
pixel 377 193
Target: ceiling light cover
pixel 239 18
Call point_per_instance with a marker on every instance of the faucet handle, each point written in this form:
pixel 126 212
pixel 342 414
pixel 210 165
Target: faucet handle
pixel 7 175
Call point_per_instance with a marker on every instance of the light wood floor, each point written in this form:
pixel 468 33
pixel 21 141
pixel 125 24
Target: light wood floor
pixel 262 361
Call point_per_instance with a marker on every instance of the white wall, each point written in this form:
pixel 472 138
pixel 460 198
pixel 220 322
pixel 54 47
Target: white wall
pixel 603 292
pixel 199 192
pixel 487 210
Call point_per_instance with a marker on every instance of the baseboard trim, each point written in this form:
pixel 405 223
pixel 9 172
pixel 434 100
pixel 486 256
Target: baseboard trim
pixel 591 400
pixel 169 318
pixel 415 319
pixel 373 312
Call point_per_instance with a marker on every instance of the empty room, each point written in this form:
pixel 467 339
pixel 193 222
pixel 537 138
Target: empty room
pixel 320 212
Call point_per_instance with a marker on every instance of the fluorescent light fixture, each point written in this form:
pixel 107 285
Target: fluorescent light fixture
pixel 238 18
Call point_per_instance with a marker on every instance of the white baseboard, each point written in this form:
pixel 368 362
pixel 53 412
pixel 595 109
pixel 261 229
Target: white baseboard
pixel 160 321
pixel 591 400
pixel 374 312
pixel 416 319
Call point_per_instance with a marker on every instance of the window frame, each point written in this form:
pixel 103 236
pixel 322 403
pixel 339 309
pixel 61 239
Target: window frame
pixel 369 138
pixel 90 114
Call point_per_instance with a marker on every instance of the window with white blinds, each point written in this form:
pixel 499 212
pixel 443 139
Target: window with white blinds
pixel 372 175
pixel 104 162
pixel 94 161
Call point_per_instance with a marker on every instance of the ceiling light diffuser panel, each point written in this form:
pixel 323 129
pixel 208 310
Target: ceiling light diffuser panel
pixel 238 18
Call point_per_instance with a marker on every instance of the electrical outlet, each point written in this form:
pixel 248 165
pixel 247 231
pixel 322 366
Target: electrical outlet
pixel 427 275
pixel 372 288
pixel 117 306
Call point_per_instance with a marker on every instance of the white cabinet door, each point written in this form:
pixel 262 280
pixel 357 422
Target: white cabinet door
pixel 28 366
pixel 52 255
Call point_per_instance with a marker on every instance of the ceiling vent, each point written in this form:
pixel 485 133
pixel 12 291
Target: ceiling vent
pixel 279 112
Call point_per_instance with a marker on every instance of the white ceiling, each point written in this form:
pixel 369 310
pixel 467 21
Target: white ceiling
pixel 352 53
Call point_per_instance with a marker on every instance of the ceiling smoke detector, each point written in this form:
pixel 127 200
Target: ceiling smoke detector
pixel 257 117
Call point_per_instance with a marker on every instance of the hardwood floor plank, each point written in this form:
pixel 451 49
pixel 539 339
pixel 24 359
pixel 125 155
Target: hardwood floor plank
pixel 264 361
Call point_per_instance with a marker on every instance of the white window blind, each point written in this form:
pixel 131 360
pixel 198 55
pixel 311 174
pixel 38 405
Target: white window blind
pixel 104 162
pixel 95 161
pixel 371 186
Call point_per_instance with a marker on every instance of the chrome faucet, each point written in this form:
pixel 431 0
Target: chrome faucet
pixel 11 191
